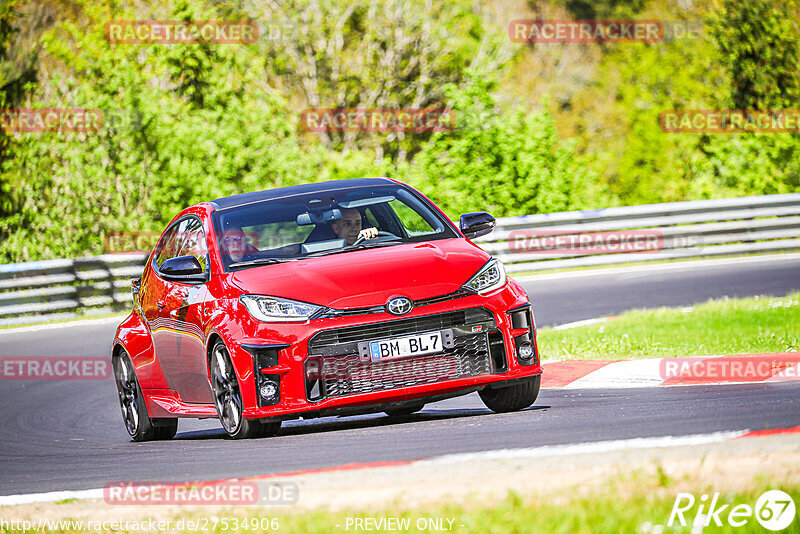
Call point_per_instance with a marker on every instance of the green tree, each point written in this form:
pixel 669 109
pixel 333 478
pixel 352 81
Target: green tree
pixel 191 65
pixel 510 163
pixel 374 54
pixel 760 44
pixel 158 150
pixel 7 18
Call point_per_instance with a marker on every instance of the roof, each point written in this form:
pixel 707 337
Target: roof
pixel 283 192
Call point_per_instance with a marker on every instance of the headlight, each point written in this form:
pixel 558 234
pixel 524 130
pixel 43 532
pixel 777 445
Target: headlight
pixel 277 310
pixel 490 277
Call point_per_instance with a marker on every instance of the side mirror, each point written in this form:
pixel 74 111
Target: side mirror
pixel 136 287
pixel 477 224
pixel 182 269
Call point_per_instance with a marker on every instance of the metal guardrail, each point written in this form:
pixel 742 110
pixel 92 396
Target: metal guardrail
pixel 46 290
pixel 58 289
pixel 702 228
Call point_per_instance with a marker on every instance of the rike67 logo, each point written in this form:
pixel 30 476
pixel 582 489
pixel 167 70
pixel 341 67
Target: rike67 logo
pixel 774 510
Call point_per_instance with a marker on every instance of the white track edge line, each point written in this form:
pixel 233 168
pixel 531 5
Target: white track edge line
pixel 587 448
pixel 502 454
pixel 576 324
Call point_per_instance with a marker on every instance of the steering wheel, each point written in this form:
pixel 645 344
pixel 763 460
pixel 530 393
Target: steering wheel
pixel 381 233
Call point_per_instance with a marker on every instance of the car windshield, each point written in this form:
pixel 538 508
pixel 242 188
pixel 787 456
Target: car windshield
pixel 324 223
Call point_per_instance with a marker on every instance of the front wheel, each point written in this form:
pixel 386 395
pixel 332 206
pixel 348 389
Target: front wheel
pixel 512 398
pixel 134 413
pixel 228 399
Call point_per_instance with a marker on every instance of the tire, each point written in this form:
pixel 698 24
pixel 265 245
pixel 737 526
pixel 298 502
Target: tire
pixel 134 411
pixel 228 399
pixel 404 412
pixel 511 398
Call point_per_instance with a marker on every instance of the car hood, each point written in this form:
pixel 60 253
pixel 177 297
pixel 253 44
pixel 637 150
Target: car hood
pixel 368 277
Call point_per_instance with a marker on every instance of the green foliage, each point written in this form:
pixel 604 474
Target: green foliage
pixel 760 45
pixel 7 17
pixel 745 164
pixel 506 163
pixel 157 152
pixel 640 163
pixel 604 9
pixel 643 164
pixel 383 54
pixel 185 123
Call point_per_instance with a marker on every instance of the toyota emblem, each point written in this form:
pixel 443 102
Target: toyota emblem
pixel 399 305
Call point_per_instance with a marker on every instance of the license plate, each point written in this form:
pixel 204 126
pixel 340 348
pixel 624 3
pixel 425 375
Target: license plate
pixel 400 347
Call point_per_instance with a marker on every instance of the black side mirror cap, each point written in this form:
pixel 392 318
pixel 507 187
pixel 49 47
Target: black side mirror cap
pixel 182 269
pixel 477 224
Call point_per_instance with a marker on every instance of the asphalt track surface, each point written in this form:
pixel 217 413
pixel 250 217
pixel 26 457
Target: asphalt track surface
pixel 57 435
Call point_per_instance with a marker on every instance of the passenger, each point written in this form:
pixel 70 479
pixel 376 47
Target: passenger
pixel 349 227
pixel 235 243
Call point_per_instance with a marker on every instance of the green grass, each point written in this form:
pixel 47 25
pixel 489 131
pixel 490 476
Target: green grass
pixel 717 327
pixel 639 506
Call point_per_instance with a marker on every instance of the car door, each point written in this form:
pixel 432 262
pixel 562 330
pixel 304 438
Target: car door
pixel 175 316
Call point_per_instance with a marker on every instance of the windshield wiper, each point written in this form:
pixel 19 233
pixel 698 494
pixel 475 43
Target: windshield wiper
pixel 368 244
pixel 260 261
pixel 351 248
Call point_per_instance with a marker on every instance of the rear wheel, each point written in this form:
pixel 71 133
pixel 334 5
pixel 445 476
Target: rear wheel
pixel 511 398
pixel 402 412
pixel 134 413
pixel 228 399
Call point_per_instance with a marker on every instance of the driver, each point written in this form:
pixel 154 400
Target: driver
pixel 235 243
pixel 349 227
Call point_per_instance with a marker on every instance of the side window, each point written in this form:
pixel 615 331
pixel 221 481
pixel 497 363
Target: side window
pixel 413 222
pixel 184 238
pixel 192 241
pixel 167 245
pixel 371 220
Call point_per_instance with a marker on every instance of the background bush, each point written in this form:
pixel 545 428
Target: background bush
pixel 539 128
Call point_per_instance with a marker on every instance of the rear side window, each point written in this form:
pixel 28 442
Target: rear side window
pixel 185 237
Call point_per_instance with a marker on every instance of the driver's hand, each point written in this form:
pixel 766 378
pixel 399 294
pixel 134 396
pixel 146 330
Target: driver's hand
pixel 368 233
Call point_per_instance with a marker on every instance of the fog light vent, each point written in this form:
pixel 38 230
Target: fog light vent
pixel 525 351
pixel 268 390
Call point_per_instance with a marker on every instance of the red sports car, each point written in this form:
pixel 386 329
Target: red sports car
pixel 335 298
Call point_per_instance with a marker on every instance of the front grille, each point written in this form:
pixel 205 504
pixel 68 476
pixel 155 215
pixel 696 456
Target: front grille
pixel 331 338
pixel 332 312
pixel 348 375
pixel 335 369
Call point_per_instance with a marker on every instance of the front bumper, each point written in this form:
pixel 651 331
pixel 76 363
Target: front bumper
pixel 320 370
